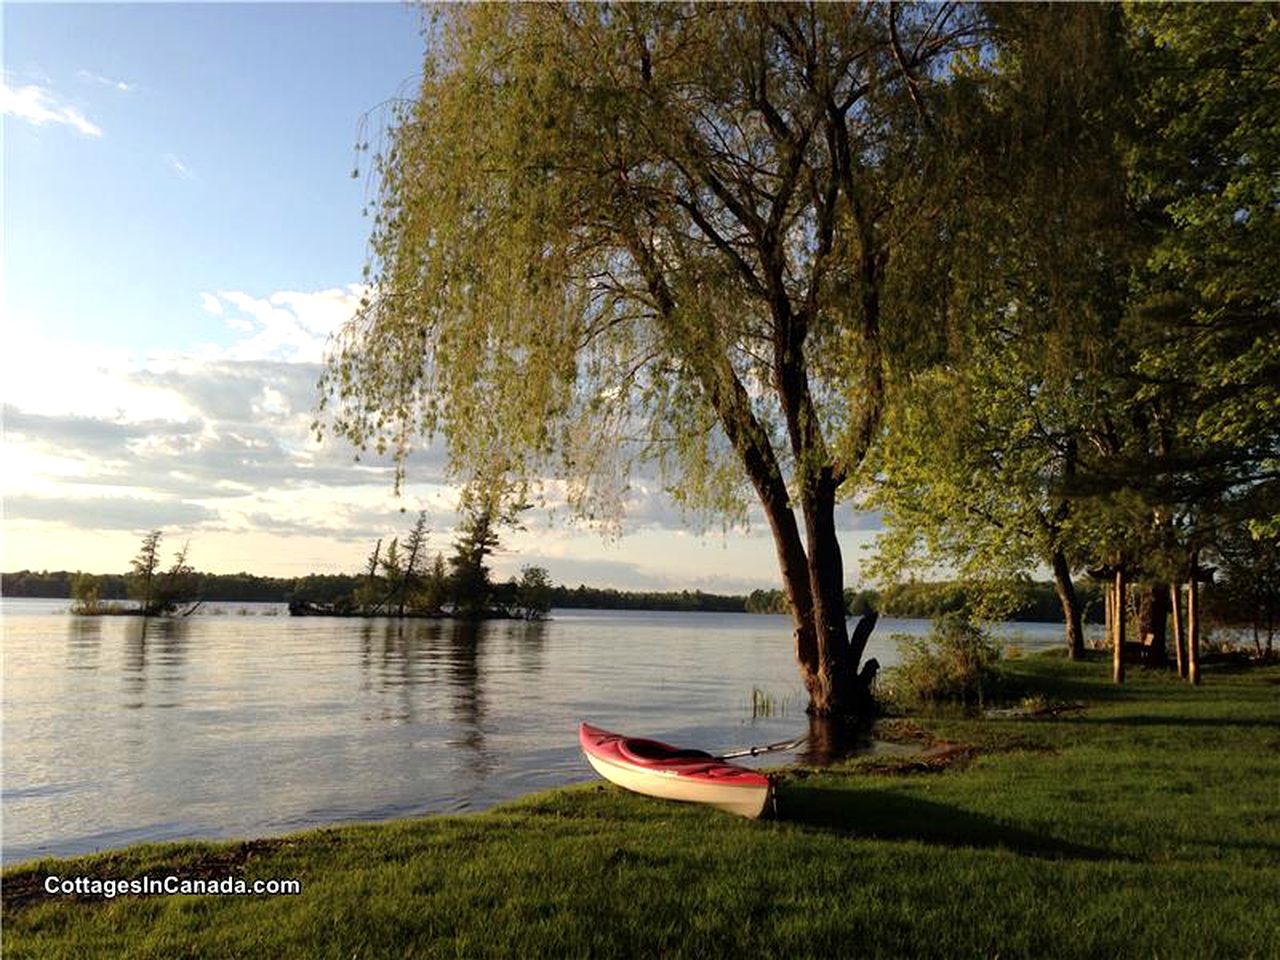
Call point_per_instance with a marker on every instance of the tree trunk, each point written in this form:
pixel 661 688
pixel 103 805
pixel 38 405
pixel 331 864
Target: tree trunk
pixel 1109 610
pixel 1179 640
pixel 1070 605
pixel 832 690
pixel 1153 615
pixel 1117 654
pixel 812 570
pixel 1193 631
pixel 794 568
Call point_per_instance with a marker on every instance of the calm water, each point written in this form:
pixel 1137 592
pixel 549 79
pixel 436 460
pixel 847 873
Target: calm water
pixel 243 721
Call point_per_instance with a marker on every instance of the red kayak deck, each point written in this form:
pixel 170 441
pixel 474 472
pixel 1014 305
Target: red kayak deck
pixel 659 769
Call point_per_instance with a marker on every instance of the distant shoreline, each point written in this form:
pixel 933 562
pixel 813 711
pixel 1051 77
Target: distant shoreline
pixel 914 601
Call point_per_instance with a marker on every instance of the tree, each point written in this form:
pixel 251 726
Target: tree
pixel 1204 167
pixel 981 449
pixel 86 593
pixel 1120 405
pixel 144 566
pixel 614 234
pixel 414 563
pixel 1202 164
pixel 1249 586
pixel 533 593
pixel 392 571
pixel 160 593
pixel 435 586
pixel 469 582
pixel 371 594
pixel 178 585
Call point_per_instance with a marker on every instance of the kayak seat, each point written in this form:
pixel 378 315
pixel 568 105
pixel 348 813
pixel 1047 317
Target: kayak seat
pixel 651 751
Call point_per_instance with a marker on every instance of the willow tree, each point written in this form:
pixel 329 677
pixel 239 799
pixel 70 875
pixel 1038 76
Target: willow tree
pixel 610 235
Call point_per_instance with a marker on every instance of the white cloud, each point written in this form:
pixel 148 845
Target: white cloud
pixel 178 167
pixel 288 326
pixel 90 77
pixel 37 105
pixel 211 304
pixel 52 376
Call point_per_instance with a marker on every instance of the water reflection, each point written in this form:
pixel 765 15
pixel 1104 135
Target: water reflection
pixel 832 739
pixel 466 640
pixel 530 637
pixel 84 642
pixel 154 648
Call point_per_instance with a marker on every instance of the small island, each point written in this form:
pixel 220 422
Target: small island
pixel 398 581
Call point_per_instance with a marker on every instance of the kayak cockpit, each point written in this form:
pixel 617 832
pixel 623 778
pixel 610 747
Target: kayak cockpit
pixel 654 751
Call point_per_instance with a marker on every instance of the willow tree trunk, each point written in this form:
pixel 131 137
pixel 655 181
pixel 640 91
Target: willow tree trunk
pixel 1070 605
pixel 1179 639
pixel 813 582
pixel 831 690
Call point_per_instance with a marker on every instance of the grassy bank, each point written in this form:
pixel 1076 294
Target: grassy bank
pixel 1145 823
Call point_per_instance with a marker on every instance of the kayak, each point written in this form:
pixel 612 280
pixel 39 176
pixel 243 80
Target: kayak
pixel 660 770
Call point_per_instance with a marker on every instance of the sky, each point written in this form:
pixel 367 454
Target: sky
pixel 181 235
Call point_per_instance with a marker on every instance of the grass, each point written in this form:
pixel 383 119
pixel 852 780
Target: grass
pixel 1146 824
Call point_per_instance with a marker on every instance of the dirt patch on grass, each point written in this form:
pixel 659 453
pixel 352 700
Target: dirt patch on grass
pixel 932 759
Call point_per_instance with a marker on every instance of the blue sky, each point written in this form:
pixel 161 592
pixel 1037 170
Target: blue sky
pixel 181 234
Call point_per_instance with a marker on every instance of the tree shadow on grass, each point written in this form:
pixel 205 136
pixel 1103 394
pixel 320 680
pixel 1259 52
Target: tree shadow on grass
pixel 883 815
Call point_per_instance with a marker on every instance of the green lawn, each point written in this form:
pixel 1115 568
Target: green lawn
pixel 1146 824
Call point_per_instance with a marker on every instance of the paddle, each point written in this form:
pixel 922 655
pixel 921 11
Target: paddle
pixel 768 748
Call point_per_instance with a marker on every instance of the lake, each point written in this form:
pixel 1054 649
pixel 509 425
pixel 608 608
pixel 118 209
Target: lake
pixel 242 721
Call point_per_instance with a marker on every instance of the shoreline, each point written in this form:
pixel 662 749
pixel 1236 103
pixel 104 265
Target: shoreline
pixel 1022 837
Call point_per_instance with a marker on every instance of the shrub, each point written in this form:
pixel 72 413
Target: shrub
pixel 957 663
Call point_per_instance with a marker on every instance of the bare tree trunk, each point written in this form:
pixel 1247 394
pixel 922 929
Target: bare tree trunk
pixel 1117 655
pixel 1070 605
pixel 1107 620
pixel 1179 640
pixel 1110 591
pixel 1193 625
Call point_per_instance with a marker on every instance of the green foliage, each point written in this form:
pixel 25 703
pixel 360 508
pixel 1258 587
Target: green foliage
pixel 143 570
pixel 583 254
pixel 86 593
pixel 583 597
pixel 957 663
pixel 1111 392
pixel 245 587
pixel 1204 165
pixel 1030 601
pixel 372 591
pixel 533 593
pixel 434 592
pixel 767 601
pixel 861 602
pixel 160 592
pixel 1248 587
pixel 470 586
pixel 979 449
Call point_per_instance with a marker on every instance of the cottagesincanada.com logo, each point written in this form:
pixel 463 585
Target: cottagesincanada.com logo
pixel 171 885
